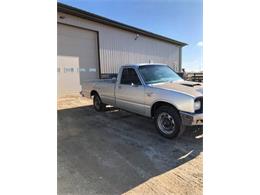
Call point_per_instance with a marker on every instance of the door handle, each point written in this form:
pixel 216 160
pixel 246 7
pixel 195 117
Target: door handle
pixel 119 87
pixel 149 94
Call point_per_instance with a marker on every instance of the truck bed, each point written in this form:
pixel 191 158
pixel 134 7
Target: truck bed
pixel 104 87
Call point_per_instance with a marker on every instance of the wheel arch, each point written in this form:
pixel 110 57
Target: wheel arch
pixel 93 92
pixel 158 104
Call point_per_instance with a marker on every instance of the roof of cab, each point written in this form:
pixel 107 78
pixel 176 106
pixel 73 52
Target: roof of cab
pixel 143 64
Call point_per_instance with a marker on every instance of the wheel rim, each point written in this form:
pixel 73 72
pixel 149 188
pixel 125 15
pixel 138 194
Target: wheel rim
pixel 97 103
pixel 166 123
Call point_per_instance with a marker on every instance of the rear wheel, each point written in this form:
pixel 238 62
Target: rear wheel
pixel 168 122
pixel 98 105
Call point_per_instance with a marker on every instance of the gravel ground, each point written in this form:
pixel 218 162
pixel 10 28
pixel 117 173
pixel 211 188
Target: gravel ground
pixel 116 152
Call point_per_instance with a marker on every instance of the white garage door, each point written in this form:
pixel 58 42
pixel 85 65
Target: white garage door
pixel 77 58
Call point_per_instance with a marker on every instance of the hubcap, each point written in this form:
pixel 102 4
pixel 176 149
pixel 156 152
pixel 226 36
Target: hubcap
pixel 166 123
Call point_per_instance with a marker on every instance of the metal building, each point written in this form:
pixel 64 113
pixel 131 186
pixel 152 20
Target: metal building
pixel 91 46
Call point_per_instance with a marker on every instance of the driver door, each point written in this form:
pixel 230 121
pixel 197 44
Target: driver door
pixel 130 92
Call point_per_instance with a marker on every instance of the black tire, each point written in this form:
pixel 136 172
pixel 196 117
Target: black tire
pixel 97 103
pixel 168 122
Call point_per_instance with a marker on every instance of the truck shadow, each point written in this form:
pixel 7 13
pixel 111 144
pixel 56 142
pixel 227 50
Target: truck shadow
pixel 114 151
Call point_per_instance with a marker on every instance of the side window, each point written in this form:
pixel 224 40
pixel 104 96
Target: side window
pixel 129 76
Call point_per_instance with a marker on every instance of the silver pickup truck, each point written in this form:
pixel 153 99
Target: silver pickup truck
pixel 151 90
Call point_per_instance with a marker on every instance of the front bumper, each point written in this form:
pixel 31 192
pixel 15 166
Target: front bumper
pixel 190 119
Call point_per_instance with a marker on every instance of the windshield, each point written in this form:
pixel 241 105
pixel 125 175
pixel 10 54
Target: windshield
pixel 158 74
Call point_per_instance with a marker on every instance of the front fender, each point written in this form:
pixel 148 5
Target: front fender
pixel 183 102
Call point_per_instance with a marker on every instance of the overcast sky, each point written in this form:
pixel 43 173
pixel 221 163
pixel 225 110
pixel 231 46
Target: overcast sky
pixel 177 19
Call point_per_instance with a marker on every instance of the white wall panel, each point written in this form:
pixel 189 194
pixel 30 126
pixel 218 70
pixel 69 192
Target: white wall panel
pixel 119 47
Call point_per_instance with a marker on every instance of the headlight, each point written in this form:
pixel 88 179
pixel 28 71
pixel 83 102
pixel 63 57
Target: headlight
pixel 197 105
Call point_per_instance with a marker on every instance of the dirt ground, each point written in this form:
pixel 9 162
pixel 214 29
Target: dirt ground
pixel 116 152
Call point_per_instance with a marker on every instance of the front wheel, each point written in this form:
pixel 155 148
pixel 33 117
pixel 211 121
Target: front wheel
pixel 98 105
pixel 168 122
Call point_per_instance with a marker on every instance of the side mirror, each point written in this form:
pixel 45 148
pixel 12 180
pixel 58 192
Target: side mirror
pixel 134 85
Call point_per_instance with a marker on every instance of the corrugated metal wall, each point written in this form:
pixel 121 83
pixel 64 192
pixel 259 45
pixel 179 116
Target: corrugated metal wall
pixel 119 47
